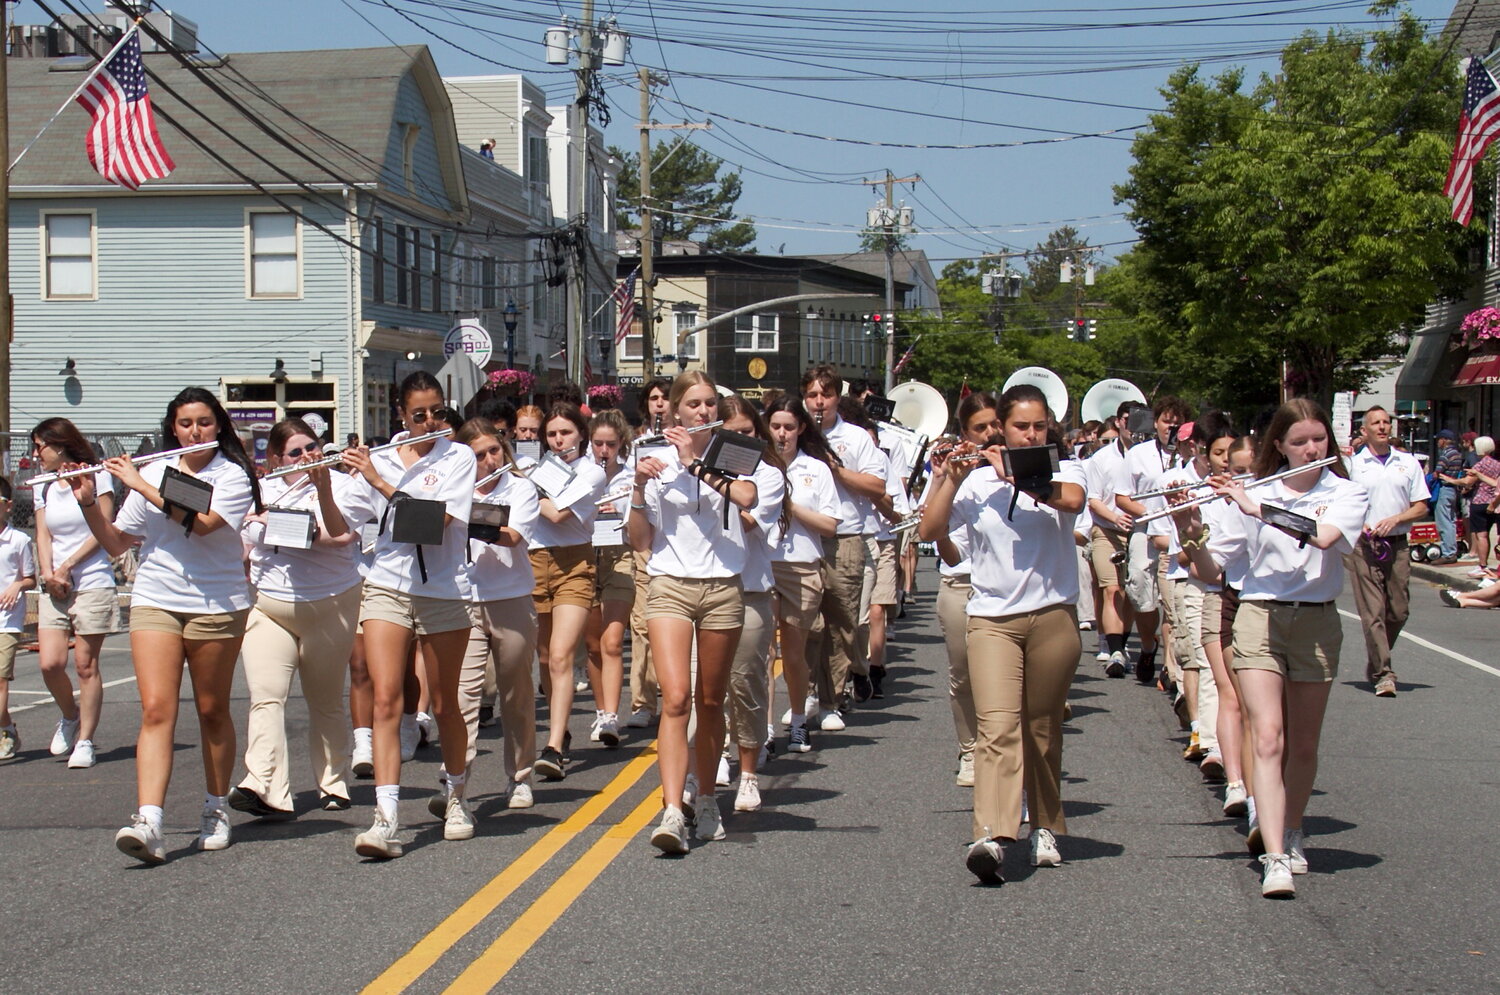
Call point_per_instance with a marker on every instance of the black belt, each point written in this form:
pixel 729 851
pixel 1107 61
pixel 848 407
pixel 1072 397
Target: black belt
pixel 1299 604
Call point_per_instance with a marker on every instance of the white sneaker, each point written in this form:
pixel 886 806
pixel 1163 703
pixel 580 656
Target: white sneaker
pixel 363 760
pixel 1044 849
pixel 609 730
pixel 710 822
pixel 142 840
pixel 1236 800
pixel 721 778
pixel 1276 881
pixel 984 861
pixel 427 730
pixel 594 727
pixel 83 754
pixel 965 778
pixel 64 737
pixel 1294 851
pixel 379 841
pixel 213 833
pixel 671 835
pixel 831 721
pixel 1102 656
pixel 458 821
pixel 10 742
pixel 747 799
pixel 520 796
pixel 641 718
pixel 411 735
pixel 810 707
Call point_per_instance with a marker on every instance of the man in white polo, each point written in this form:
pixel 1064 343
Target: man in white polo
pixel 1379 568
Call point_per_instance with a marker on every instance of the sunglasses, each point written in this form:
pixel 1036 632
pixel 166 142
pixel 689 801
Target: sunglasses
pixel 297 453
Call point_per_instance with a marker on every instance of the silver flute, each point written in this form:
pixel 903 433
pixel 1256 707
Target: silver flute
pixel 338 457
pixel 1175 488
pixel 84 471
pixel 493 476
pixel 657 440
pixel 1205 498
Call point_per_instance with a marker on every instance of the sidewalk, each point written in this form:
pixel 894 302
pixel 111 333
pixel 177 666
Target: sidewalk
pixel 1455 576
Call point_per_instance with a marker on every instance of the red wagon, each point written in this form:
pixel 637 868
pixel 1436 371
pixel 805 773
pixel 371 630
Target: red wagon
pixel 1423 541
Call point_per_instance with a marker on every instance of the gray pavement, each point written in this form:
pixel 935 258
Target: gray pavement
pixel 851 878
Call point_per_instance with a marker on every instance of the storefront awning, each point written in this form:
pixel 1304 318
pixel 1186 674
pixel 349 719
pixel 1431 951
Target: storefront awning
pixel 1478 371
pixel 1419 374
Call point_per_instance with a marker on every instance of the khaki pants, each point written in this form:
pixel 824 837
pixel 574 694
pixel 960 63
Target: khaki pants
pixel 643 687
pixel 311 639
pixel 749 699
pixel 1190 645
pixel 506 630
pixel 839 655
pixel 1021 667
pixel 1381 594
pixel 953 596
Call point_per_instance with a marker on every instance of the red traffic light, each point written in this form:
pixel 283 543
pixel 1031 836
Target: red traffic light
pixel 875 317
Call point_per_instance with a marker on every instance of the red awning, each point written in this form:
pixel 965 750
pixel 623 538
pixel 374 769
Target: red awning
pixel 1478 371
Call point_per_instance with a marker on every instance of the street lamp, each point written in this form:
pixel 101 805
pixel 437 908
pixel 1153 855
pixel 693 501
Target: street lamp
pixel 510 313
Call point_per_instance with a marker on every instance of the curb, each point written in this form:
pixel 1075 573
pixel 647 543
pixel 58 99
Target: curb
pixel 1454 577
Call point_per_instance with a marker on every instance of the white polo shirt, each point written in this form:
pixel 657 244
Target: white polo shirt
pixel 770 489
pixel 577 528
pixel 1020 565
pixel 1165 526
pixel 895 488
pixel 858 452
pixel 192 574
pixel 812 488
pixel 689 536
pixel 289 574
pixel 500 572
pixel 16 563
pixel 1144 463
pixel 1394 484
pixel 1220 516
pixel 1276 568
pixel 69 532
pixel 1102 470
pixel 446 474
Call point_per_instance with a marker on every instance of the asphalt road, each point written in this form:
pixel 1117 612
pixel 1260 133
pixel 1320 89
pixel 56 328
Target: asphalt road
pixel 850 879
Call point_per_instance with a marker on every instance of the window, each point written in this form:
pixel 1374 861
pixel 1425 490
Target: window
pixel 437 271
pixel 401 264
pixel 68 247
pixel 273 253
pixel 408 149
pixel 377 270
pixel 415 273
pixel 686 318
pixel 487 281
pixel 536 159
pixel 755 333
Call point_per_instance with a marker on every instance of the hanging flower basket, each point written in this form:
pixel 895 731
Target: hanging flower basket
pixel 518 382
pixel 1481 328
pixel 605 396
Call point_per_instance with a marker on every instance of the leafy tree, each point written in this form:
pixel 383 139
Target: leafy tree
pixel 1300 223
pixel 697 201
pixel 875 239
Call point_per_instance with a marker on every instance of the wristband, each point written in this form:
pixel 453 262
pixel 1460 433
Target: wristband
pixel 637 507
pixel 89 505
pixel 1191 544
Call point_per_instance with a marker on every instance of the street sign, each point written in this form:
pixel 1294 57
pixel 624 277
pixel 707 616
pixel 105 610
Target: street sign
pixel 1343 416
pixel 470 338
pixel 757 368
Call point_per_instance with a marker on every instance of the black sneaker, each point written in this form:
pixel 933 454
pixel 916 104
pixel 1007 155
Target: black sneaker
pixel 877 678
pixel 798 740
pixel 246 800
pixel 549 766
pixel 486 716
pixel 567 750
pixel 863 689
pixel 1145 667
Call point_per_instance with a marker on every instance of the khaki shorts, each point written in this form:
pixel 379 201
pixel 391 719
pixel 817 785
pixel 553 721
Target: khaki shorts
pixel 189 625
pixel 799 592
pixel 1213 616
pixel 423 615
pixel 884 591
pixel 614 578
pixel 712 603
pixel 1103 545
pixel 1298 641
pixel 86 613
pixel 564 576
pixel 9 643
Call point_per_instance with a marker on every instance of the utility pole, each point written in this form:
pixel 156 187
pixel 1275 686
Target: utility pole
pixel 891 223
pixel 578 137
pixel 7 311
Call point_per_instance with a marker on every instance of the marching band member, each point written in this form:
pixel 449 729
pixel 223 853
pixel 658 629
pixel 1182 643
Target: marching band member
pixel 1023 628
pixel 1109 538
pixel 500 584
pixel 1287 633
pixel 877 591
pixel 189 602
pixel 656 410
pixel 562 558
pixel 412 591
pixel 614 589
pixel 796 560
pixel 683 512
pixel 78 590
pixel 528 423
pixel 306 606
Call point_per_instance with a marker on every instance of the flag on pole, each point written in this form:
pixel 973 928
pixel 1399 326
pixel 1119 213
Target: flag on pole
pixel 625 306
pixel 963 389
pixel 123 145
pixel 905 357
pixel 1478 126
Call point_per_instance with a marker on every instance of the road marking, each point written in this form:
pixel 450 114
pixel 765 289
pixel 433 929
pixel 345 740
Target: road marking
pixel 430 948
pixel 39 704
pixel 1437 649
pixel 491 967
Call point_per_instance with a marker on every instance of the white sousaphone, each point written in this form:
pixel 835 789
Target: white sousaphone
pixel 920 408
pixel 1049 383
pixel 1103 400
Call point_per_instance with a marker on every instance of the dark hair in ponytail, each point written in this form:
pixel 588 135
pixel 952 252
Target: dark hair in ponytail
pixel 230 446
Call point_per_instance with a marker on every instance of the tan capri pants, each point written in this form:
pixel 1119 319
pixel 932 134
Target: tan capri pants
pixel 506 629
pixel 1021 667
pixel 953 597
pixel 749 699
pixel 843 580
pixel 311 639
pixel 644 690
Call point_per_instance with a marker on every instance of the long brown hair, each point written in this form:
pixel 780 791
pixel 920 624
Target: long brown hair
pixel 476 428
pixel 687 380
pixel 1269 460
pixel 63 435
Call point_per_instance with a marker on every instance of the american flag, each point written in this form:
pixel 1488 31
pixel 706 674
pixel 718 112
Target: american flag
pixel 123 144
pixel 625 306
pixel 906 357
pixel 1477 127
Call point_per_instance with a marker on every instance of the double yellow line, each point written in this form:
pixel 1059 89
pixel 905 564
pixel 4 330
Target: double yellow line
pixel 500 956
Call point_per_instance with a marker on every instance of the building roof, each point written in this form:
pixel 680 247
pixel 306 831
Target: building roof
pixel 909 266
pixel 1480 23
pixel 754 264
pixel 348 97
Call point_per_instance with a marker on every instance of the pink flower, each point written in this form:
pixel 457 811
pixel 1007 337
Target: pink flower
pixel 1481 325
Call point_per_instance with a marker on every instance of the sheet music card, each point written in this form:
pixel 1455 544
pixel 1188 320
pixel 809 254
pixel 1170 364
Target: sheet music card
pixel 552 475
pixel 732 454
pixel 609 530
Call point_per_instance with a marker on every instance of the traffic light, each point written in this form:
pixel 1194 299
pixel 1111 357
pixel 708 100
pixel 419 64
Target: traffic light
pixel 1080 330
pixel 877 325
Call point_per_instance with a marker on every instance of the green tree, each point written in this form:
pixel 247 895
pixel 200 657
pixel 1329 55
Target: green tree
pixel 875 239
pixel 691 197
pixel 1301 223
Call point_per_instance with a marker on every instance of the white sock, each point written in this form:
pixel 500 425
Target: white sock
pixel 1193 726
pixel 386 798
pixel 456 784
pixel 152 814
pixel 364 736
pixel 1251 802
pixel 220 802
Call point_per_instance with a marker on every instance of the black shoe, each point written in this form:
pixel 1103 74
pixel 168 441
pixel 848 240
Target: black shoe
pixel 877 679
pixel 863 689
pixel 549 766
pixel 1145 667
pixel 334 803
pixel 486 716
pixel 567 750
pixel 246 800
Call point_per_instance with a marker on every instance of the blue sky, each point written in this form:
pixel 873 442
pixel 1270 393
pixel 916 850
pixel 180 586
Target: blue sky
pixel 942 73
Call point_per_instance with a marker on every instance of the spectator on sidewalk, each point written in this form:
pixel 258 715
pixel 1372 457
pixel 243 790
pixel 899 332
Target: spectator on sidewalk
pixel 1483 476
pixel 1449 474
